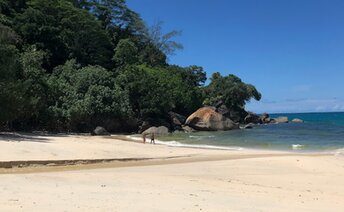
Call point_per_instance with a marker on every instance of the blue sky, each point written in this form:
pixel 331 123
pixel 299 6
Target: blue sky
pixel 291 50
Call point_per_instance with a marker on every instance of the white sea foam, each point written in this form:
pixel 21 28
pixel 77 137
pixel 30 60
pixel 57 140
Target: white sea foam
pixel 339 152
pixel 135 138
pixel 178 144
pixel 297 146
pixel 201 136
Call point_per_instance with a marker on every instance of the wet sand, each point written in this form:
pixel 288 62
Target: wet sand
pixel 84 173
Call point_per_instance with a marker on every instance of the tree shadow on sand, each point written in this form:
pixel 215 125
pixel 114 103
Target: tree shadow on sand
pixel 20 137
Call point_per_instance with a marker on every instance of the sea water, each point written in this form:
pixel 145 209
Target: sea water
pixel 319 132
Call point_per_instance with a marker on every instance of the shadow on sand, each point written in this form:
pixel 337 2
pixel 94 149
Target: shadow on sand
pixel 22 137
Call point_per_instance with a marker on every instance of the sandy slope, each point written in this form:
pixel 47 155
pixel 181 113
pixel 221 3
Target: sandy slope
pixel 203 180
pixel 63 147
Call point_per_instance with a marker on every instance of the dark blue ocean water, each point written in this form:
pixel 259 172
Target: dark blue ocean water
pixel 320 132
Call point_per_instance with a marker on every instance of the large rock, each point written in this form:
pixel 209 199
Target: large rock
pixel 188 129
pixel 249 126
pixel 223 110
pixel 281 119
pixel 265 118
pixel 237 115
pixel 252 118
pixel 100 131
pixel 234 114
pixel 162 130
pixel 207 119
pixel 296 120
pixel 177 120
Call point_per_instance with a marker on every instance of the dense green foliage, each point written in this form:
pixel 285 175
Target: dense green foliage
pixel 83 96
pixel 10 85
pixel 231 90
pixel 153 92
pixel 70 65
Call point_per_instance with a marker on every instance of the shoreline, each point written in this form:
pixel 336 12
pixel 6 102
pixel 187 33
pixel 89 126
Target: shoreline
pixel 108 174
pixel 136 138
pixel 49 165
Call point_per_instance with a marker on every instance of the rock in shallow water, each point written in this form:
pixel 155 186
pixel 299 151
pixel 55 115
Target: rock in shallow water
pixel 188 129
pixel 249 126
pixel 296 120
pixel 265 118
pixel 281 119
pixel 252 118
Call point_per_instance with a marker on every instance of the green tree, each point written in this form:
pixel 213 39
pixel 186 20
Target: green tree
pixel 85 96
pixel 85 38
pixel 154 91
pixel 113 14
pixel 75 64
pixel 163 41
pixel 150 55
pixel 193 75
pixel 64 32
pixel 126 52
pixel 231 90
pixel 35 88
pixel 11 95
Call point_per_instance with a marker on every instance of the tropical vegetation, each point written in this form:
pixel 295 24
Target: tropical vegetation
pixel 70 65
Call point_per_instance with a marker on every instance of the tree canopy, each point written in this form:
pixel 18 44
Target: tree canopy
pixel 70 65
pixel 231 90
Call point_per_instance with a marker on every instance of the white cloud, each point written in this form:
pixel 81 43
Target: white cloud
pixel 301 88
pixel 296 105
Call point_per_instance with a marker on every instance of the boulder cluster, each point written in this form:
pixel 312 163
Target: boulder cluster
pixel 209 118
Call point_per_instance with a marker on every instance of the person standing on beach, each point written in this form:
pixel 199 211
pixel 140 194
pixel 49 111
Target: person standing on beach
pixel 144 137
pixel 152 138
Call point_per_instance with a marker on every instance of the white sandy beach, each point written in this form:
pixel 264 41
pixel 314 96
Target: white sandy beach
pixel 173 179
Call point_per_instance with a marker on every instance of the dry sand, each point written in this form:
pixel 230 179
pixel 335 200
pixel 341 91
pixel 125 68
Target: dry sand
pixel 144 177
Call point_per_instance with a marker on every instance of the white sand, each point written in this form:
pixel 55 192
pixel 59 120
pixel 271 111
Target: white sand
pixel 203 180
pixel 85 147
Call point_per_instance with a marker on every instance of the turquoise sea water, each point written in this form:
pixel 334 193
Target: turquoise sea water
pixel 320 132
